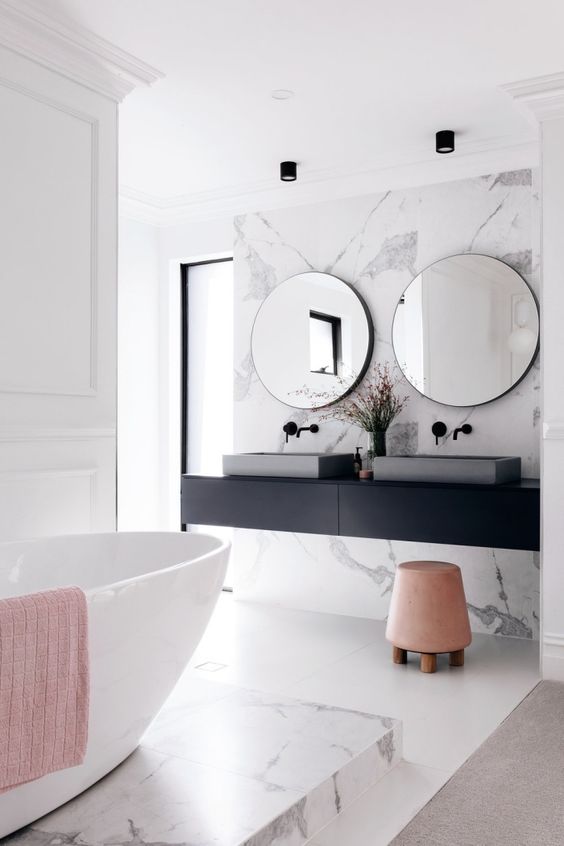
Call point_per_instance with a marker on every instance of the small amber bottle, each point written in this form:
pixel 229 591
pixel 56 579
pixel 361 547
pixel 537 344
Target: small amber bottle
pixel 357 462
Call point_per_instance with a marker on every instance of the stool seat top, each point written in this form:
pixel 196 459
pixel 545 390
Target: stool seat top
pixel 428 566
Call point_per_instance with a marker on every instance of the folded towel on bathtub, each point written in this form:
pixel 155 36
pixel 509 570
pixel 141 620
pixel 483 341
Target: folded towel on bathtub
pixel 44 684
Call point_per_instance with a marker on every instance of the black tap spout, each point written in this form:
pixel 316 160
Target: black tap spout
pixel 314 428
pixel 466 428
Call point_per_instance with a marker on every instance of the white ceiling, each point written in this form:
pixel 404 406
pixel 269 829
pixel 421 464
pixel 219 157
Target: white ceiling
pixel 373 80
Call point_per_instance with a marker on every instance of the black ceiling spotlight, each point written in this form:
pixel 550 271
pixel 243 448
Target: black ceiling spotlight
pixel 445 141
pixel 288 171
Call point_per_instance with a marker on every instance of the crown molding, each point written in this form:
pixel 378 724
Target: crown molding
pixel 411 169
pixel 64 46
pixel 541 96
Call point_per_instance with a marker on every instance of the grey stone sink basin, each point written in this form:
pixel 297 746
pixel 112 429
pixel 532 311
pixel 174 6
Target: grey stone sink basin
pixel 304 465
pixel 467 469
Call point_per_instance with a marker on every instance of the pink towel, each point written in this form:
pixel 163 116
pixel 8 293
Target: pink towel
pixel 44 684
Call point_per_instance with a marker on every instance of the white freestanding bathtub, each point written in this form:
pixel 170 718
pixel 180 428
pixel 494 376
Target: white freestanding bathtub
pixel 150 596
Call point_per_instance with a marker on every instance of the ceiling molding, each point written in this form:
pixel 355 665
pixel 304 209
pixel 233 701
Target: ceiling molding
pixel 540 96
pixel 411 169
pixel 64 46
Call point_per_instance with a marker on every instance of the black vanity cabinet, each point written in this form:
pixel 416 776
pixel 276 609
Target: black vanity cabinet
pixel 499 516
pixel 284 505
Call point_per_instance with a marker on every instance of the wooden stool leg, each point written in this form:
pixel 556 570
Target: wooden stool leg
pixel 456 659
pixel 428 662
pixel 399 656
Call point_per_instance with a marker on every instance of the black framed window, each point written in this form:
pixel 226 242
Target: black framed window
pixel 206 363
pixel 324 343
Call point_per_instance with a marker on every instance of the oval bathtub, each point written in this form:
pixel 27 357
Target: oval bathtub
pixel 150 596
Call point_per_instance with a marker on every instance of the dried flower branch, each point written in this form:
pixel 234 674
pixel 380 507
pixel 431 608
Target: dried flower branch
pixel 372 406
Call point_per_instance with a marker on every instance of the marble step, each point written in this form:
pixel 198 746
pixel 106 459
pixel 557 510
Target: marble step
pixel 226 766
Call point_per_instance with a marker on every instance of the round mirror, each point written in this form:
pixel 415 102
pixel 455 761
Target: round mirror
pixel 312 340
pixel 466 330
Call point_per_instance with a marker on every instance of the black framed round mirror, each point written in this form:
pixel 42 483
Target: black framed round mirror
pixel 466 330
pixel 312 340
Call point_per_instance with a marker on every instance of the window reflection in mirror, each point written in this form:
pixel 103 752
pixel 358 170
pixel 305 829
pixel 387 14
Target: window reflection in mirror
pixel 324 343
pixel 312 340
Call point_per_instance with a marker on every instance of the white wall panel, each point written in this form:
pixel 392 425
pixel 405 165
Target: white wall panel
pixel 58 253
pixel 46 503
pixel 138 378
pixel 47 301
pixel 56 483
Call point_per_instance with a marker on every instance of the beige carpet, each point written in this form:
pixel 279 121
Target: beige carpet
pixel 511 791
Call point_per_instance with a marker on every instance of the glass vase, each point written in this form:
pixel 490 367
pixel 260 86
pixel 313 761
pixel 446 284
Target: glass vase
pixel 377 441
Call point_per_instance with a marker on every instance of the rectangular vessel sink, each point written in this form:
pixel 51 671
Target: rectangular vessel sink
pixel 305 465
pixel 467 469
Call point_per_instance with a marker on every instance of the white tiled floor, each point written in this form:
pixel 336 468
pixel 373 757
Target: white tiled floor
pixel 346 661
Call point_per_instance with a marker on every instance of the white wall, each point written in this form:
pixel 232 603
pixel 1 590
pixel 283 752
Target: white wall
pixel 553 396
pixel 138 376
pixel 185 243
pixel 149 363
pixel 542 98
pixel 58 172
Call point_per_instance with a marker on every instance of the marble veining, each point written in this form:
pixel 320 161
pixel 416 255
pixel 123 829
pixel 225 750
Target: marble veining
pixel 502 622
pixel 403 438
pixel 521 261
pixel 398 253
pixel 226 766
pixel 380 575
pixel 378 243
pixel 486 223
pixel 244 375
pixel 511 177
pixel 361 572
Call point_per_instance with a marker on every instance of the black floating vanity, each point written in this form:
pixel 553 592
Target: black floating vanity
pixel 501 516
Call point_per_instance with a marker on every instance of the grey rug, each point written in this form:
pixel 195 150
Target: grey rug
pixel 510 792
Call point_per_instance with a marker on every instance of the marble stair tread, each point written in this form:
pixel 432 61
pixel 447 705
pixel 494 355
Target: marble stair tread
pixel 230 767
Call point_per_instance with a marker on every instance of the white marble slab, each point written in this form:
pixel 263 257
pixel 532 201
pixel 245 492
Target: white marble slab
pixel 223 766
pixel 378 244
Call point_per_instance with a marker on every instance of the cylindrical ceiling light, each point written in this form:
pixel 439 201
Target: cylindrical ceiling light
pixel 288 171
pixel 444 141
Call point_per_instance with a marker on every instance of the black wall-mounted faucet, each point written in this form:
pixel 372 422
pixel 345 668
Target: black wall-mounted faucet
pixel 466 428
pixel 439 430
pixel 291 429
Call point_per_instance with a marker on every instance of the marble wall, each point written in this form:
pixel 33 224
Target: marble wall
pixel 378 243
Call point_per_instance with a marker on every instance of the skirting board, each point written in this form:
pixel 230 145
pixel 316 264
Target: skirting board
pixel 553 656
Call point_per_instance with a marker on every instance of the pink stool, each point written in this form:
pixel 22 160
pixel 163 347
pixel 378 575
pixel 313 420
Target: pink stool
pixel 428 614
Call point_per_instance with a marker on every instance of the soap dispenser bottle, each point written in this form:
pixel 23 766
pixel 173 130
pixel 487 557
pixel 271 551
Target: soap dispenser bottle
pixel 357 462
